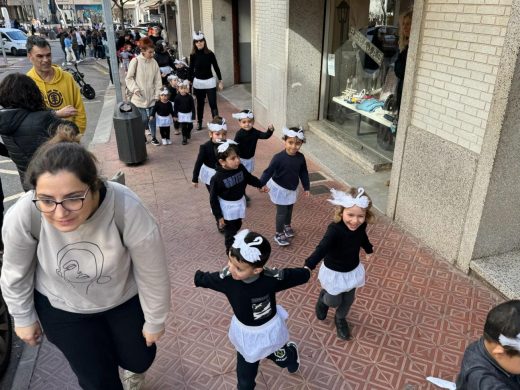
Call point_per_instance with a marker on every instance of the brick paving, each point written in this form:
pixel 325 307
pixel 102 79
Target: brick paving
pixel 414 317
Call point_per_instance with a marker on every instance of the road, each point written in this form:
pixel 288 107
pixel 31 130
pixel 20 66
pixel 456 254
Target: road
pixel 96 74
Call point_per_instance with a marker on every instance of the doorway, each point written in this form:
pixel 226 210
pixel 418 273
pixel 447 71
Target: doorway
pixel 241 10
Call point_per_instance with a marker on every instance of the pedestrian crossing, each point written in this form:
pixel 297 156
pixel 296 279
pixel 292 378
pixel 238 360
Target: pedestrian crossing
pixel 13 172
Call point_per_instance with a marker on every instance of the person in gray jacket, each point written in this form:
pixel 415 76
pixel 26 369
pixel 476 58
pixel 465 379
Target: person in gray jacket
pixel 84 260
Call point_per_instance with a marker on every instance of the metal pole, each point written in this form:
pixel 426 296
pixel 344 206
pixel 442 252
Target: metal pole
pixel 111 40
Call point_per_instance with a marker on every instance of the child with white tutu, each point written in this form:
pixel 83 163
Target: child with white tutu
pixel 258 328
pixel 342 272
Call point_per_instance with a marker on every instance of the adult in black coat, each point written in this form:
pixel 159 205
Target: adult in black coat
pixel 164 61
pixel 24 120
pixel 405 26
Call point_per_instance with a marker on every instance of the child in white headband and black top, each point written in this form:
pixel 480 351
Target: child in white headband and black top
pixel 227 190
pixel 282 177
pixel 258 328
pixel 342 272
pixel 184 110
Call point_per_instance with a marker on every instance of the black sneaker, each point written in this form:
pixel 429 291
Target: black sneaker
pixel 184 141
pixel 199 126
pixel 294 358
pixel 281 239
pixel 288 230
pixel 155 142
pixel 321 308
pixel 342 329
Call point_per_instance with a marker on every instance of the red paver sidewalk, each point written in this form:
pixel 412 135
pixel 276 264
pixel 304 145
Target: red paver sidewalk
pixel 413 318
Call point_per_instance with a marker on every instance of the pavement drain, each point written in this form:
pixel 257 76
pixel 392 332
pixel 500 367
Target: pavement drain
pixel 319 190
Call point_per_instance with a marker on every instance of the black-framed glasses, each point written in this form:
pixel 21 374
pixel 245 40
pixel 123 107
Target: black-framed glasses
pixel 69 204
pixel 199 40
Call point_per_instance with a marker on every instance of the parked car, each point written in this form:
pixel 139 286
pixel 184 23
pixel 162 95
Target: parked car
pixel 14 41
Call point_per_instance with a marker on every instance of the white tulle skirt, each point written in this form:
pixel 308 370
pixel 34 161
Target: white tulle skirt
pixel 233 209
pixel 335 282
pixel 163 121
pixel 280 195
pixel 206 173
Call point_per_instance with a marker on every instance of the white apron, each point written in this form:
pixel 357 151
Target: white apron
pixel 205 83
pixel 257 342
pixel 248 163
pixel 281 196
pixel 163 121
pixel 233 209
pixel 335 282
pixel 184 117
pixel 206 173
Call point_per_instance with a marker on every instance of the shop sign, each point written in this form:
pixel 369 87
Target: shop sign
pixel 365 45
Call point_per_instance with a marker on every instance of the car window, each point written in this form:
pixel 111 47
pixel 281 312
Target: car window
pixel 4 36
pixel 17 35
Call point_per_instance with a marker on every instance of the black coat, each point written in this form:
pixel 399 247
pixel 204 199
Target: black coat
pixel 23 132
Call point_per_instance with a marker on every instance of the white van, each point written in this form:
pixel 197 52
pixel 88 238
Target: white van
pixel 14 41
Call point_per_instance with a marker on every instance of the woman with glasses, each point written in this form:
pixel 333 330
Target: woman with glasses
pixel 84 260
pixel 201 76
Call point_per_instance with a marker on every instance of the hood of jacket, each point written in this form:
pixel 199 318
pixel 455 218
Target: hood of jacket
pixel 58 75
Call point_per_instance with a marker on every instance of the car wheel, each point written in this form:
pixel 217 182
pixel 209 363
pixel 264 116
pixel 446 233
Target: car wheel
pixel 14 52
pixel 6 336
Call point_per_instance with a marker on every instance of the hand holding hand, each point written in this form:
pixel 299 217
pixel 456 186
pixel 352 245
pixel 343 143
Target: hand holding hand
pixel 221 223
pixel 175 119
pixel 31 334
pixel 66 112
pixel 151 338
pixel 270 127
pixel 264 189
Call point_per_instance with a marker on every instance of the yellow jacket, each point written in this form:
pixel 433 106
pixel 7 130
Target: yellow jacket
pixel 60 92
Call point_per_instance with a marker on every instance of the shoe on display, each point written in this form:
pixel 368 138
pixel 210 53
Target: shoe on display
pixel 281 239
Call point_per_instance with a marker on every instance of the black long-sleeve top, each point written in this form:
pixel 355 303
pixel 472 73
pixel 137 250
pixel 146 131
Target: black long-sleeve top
pixel 247 140
pixel 200 65
pixel 164 59
pixel 207 156
pixel 229 184
pixel 253 303
pixel 287 171
pixel 183 73
pixel 162 109
pixel 340 247
pixel 184 104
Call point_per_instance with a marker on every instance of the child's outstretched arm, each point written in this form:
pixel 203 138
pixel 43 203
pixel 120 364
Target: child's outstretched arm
pixel 254 181
pixel 322 249
pixel 211 280
pixel 367 245
pixel 289 277
pixel 269 172
pixel 265 134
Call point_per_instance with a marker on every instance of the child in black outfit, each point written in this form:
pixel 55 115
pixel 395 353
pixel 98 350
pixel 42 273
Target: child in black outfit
pixel 227 190
pixel 163 111
pixel 172 87
pixel 184 110
pixel 342 272
pixel 247 138
pixel 181 69
pixel 258 328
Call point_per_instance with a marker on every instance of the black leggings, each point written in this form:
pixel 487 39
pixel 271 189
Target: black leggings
pixel 165 132
pixel 200 94
pixel 342 302
pixel 283 216
pixel 186 129
pixel 95 345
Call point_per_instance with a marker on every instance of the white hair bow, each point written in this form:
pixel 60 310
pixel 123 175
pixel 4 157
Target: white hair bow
pixel 508 341
pixel 197 36
pixel 217 127
pixel 244 115
pixel 181 61
pixel 224 145
pixel 248 250
pixel 340 198
pixel 292 133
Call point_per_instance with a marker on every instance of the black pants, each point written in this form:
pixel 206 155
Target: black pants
pixel 186 129
pixel 246 372
pixel 231 228
pixel 283 216
pixel 165 132
pixel 95 345
pixel 342 302
pixel 200 94
pixel 176 125
pixel 82 50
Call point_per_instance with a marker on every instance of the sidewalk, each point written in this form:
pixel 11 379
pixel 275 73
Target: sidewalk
pixel 414 317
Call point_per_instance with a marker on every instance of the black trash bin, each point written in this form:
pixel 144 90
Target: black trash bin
pixel 129 131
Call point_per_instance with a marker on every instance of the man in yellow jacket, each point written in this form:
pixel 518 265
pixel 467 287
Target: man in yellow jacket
pixel 60 91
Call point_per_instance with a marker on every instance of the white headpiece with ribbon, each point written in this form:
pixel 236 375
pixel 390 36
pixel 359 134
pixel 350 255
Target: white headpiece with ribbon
pixel 248 250
pixel 510 342
pixel 197 36
pixel 186 83
pixel 181 61
pixel 244 115
pixel 172 77
pixel 292 133
pixel 340 198
pixel 217 127
pixel 224 145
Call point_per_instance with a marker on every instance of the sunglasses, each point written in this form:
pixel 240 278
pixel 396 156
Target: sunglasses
pixel 199 40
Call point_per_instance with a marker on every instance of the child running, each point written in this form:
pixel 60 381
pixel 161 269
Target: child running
pixel 258 328
pixel 342 272
pixel 163 111
pixel 227 191
pixel 184 110
pixel 493 362
pixel 282 176
pixel 247 138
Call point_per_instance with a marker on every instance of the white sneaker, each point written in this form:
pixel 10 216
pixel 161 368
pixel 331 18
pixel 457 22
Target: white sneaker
pixel 164 141
pixel 132 380
pixel 169 141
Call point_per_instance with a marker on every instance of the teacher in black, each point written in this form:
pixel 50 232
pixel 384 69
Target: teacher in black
pixel 201 76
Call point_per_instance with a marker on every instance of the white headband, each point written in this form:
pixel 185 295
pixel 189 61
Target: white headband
pixel 292 133
pixel 164 92
pixel 244 115
pixel 217 127
pixel 340 198
pixel 185 83
pixel 172 77
pixel 181 61
pixel 248 250
pixel 507 341
pixel 224 145
pixel 197 36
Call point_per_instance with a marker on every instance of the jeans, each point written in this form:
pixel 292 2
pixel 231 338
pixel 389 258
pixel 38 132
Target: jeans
pixel 95 345
pixel 283 216
pixel 342 302
pixel 200 94
pixel 147 123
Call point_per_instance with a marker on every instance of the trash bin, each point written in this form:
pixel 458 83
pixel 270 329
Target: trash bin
pixel 129 131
